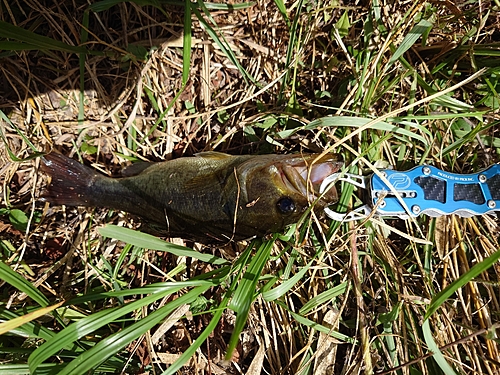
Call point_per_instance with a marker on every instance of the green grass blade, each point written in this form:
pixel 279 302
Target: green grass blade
pixel 149 289
pixel 156 107
pixel 291 53
pixel 111 345
pixel 409 40
pixel 23 369
pixel 186 43
pixel 228 7
pixel 357 122
pixel 148 241
pixel 16 33
pixel 432 346
pixel 30 329
pixel 475 271
pixel 282 8
pixel 199 341
pixel 277 292
pixel 103 5
pixel 219 39
pixel 244 294
pixel 19 321
pixel 316 326
pixel 13 157
pixel 17 46
pixel 11 277
pixel 387 320
pixel 442 116
pixel 161 117
pixel 467 134
pixel 84 36
pixel 323 297
pixel 87 325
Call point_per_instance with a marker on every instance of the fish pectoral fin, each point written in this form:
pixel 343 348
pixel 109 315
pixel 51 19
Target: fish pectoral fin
pixel 213 155
pixel 200 183
pixel 136 168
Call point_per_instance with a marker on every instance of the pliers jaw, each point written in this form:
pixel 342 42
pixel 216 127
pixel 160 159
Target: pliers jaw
pixel 361 182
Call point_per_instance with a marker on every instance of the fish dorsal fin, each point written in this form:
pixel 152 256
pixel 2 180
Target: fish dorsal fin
pixel 212 169
pixel 136 168
pixel 214 155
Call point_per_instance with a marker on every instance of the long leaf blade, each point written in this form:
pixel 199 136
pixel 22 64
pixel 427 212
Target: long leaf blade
pixel 475 271
pixel 148 241
pixel 12 32
pixel 108 347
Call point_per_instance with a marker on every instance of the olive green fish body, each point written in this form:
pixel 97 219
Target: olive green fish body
pixel 209 197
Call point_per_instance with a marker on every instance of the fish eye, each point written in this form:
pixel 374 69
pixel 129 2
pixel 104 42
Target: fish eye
pixel 286 205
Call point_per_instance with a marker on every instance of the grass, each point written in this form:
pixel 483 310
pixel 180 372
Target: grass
pixel 84 291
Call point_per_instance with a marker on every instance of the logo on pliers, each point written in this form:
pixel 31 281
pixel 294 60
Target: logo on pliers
pixel 400 181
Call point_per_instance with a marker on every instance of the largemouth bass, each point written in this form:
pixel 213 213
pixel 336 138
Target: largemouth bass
pixel 208 198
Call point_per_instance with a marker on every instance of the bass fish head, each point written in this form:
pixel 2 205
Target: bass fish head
pixel 277 190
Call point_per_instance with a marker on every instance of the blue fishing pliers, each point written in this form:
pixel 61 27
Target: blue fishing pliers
pixel 421 190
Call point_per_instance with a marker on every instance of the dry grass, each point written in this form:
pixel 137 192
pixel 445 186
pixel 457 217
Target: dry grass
pixel 361 281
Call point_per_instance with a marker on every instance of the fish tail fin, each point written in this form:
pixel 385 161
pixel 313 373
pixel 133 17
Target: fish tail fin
pixel 71 183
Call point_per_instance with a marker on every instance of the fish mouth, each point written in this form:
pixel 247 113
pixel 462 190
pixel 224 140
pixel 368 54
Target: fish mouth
pixel 306 179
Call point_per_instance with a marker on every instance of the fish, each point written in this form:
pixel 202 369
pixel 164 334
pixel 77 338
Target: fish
pixel 209 197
